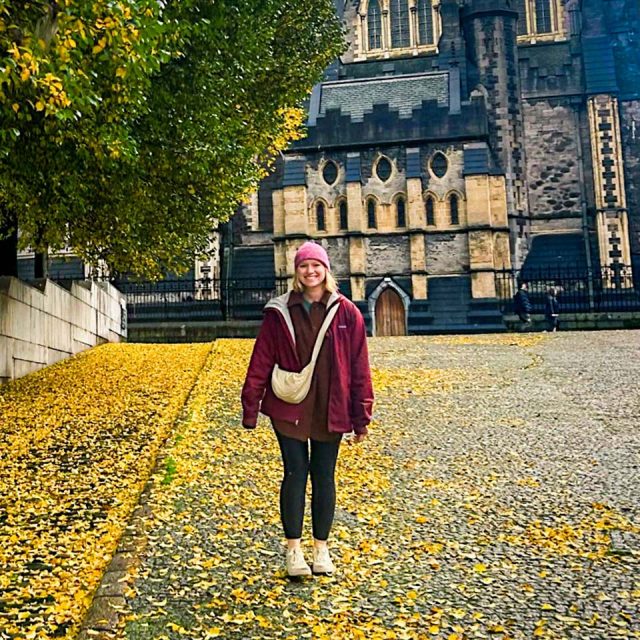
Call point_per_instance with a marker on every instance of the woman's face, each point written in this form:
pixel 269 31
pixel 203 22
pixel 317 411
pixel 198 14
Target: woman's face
pixel 311 273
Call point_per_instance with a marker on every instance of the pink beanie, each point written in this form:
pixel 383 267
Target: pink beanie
pixel 311 251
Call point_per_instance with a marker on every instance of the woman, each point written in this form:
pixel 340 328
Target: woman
pixel 339 401
pixel 552 310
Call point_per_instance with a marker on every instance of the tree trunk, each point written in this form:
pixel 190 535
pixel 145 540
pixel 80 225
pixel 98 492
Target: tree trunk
pixel 8 245
pixel 41 264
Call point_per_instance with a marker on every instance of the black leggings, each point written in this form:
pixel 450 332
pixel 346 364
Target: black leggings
pixel 297 465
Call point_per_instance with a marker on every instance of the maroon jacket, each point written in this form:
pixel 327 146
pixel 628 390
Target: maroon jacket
pixel 350 393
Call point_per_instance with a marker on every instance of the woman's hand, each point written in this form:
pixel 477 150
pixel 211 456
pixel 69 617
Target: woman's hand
pixel 358 437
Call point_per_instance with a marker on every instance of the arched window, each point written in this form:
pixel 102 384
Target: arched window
pixel 372 223
pixel 454 209
pixel 374 25
pixel 400 23
pixel 343 215
pixel 543 16
pixel 425 22
pixel 321 222
pixel 401 212
pixel 430 206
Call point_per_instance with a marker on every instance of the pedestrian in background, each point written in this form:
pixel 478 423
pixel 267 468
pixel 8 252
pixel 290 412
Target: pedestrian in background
pixel 552 310
pixel 339 400
pixel 522 306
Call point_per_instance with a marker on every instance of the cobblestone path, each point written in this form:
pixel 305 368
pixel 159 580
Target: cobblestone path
pixel 497 497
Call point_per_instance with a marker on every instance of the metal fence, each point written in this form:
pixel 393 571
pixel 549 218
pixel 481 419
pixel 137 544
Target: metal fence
pixel 205 299
pixel 606 289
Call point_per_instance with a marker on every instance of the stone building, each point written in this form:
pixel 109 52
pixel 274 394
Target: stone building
pixel 454 139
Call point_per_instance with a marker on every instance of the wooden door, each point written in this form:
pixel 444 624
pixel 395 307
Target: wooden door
pixel 390 319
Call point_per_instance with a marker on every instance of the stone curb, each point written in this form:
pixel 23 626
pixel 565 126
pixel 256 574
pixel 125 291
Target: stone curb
pixel 108 607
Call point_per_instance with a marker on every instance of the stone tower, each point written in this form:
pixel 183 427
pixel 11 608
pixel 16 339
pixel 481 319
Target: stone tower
pixel 490 31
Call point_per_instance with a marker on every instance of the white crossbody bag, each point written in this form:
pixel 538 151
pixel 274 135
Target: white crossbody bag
pixel 292 386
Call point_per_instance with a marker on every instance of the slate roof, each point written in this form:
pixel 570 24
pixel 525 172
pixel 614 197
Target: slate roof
pixel 402 93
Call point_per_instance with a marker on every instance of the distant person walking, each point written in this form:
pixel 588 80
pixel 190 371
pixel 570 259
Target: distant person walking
pixel 339 401
pixel 522 306
pixel 552 310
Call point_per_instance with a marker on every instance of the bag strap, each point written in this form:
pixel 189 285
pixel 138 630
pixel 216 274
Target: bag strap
pixel 323 330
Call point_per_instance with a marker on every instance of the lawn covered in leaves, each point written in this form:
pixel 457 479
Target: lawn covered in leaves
pixel 78 441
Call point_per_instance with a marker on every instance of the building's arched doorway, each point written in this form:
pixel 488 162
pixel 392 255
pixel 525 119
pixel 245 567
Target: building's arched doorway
pixel 390 314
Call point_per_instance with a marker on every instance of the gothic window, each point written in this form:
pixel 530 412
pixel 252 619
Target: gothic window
pixel 374 25
pixel 330 172
pixel 521 6
pixel 372 223
pixel 401 212
pixel 425 21
pixel 537 16
pixel 383 169
pixel 439 165
pixel 321 222
pixel 454 211
pixel 430 206
pixel 400 24
pixel 343 217
pixel 543 16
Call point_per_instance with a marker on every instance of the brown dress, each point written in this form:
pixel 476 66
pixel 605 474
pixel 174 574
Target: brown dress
pixel 306 325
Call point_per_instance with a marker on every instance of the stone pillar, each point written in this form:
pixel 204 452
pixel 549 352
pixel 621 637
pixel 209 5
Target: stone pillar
pixel 207 270
pixel 418 266
pixel 610 196
pixel 294 197
pixel 355 209
pixel 252 212
pixel 416 221
pixel 277 197
pixel 488 225
pixel 415 203
pixel 296 219
pixel 491 37
pixel 290 215
pixel 279 259
pixel 357 251
pixel 357 266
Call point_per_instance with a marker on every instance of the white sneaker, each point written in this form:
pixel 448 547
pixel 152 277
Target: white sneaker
pixel 322 561
pixel 296 564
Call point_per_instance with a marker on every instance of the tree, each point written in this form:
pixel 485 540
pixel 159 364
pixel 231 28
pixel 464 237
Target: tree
pixel 129 127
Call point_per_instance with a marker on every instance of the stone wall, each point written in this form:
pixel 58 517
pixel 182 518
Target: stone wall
pixel 453 179
pixel 387 255
pixel 447 253
pixel 39 326
pixel 316 184
pixel 552 171
pixel 338 250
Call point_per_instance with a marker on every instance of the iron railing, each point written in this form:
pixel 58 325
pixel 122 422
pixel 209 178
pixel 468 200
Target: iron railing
pixel 205 299
pixel 578 290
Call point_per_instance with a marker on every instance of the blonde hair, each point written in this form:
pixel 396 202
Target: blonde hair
pixel 330 283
